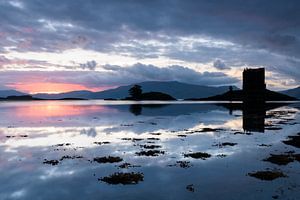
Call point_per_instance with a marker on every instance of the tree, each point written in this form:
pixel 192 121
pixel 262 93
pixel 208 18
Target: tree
pixel 135 92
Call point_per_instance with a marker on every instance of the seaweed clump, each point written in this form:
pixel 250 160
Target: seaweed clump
pixel 182 164
pixel 51 162
pixel 190 188
pixel 150 153
pixel 127 165
pixel 224 144
pixel 283 159
pixel 267 175
pixel 150 146
pixel 108 159
pixel 293 141
pixel 198 155
pixel 70 157
pixel 123 178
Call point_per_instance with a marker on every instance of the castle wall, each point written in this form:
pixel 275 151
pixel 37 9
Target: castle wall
pixel 254 84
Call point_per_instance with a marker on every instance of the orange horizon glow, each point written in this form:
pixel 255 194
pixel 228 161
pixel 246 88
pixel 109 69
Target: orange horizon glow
pixel 52 88
pixel 51 109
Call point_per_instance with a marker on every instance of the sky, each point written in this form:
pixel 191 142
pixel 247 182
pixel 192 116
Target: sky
pixel 62 45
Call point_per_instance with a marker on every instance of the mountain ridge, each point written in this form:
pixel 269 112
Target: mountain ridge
pixel 174 88
pixel 294 92
pixel 6 93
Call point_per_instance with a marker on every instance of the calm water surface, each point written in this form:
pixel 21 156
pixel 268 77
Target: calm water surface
pixel 32 132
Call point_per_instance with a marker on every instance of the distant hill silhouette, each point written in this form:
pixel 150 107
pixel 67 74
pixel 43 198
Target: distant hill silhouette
pixel 82 94
pixel 176 89
pixel 6 93
pixel 295 92
pixel 31 98
pixel 238 95
pixel 20 98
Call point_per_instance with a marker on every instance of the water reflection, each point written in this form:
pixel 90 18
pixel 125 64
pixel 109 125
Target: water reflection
pixel 88 130
pixel 253 114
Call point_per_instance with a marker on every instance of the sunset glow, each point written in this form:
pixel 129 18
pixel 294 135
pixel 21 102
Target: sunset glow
pixel 54 110
pixel 51 88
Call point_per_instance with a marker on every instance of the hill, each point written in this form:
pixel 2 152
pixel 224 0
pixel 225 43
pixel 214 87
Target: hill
pixel 82 94
pixel 295 92
pixel 19 98
pixel 6 93
pixel 175 89
pixel 238 95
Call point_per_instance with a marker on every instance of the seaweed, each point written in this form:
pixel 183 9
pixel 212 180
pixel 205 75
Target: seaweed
pixel 150 146
pixel 108 159
pixel 267 175
pixel 198 155
pixel 123 178
pixel 293 140
pixel 190 188
pixel 225 144
pixel 150 153
pixel 51 162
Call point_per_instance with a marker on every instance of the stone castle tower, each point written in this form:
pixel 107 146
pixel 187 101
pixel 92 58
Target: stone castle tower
pixel 254 86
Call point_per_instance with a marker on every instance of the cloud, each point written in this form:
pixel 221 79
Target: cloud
pixel 113 75
pixel 218 64
pixel 91 65
pixel 98 24
pixel 253 33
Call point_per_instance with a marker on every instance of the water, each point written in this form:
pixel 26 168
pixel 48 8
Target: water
pixel 31 132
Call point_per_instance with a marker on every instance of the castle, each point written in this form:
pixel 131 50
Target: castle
pixel 254 86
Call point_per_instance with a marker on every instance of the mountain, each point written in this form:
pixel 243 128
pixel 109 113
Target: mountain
pixel 84 94
pixel 239 95
pixel 6 93
pixel 175 89
pixel 292 92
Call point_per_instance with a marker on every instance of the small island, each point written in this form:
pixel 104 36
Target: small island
pixel 136 94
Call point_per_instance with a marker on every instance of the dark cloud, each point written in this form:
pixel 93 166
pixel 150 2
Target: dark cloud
pixel 116 75
pixel 218 64
pixel 247 23
pixel 263 32
pixel 140 72
pixel 91 65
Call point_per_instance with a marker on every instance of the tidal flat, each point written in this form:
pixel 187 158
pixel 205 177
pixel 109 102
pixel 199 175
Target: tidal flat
pixel 148 150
